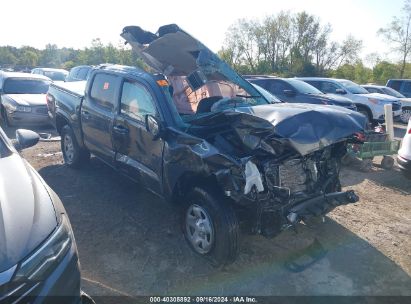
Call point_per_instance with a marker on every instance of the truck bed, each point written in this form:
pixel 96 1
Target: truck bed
pixel 75 88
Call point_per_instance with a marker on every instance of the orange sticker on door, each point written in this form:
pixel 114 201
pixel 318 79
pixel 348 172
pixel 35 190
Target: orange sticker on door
pixel 106 86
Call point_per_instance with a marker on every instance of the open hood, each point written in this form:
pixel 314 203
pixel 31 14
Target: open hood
pixel 173 52
pixel 304 127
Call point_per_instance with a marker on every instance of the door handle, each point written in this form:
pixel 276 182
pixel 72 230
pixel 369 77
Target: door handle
pixel 120 129
pixel 85 114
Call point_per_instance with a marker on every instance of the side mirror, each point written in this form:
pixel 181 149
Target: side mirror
pixel 289 93
pixel 340 91
pixel 25 139
pixel 153 126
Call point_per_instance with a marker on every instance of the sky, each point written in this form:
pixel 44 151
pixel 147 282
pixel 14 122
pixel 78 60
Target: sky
pixel 74 23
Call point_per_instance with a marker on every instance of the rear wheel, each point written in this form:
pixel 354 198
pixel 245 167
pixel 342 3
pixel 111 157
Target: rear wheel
pixel 405 115
pixel 73 155
pixel 387 162
pixel 210 226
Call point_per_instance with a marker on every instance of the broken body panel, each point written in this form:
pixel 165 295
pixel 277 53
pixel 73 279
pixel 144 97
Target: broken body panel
pixel 280 161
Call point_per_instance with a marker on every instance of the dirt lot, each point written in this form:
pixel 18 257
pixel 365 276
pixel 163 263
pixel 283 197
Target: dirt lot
pixel 130 243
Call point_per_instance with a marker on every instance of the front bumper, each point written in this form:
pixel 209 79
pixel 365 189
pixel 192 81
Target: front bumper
pixel 379 114
pixel 23 118
pixel 61 286
pixel 404 164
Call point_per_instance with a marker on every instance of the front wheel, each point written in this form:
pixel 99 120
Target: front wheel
pixel 210 226
pixel 73 155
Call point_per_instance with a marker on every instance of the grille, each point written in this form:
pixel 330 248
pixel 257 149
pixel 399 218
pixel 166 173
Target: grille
pixel 293 176
pixel 41 110
pixel 396 106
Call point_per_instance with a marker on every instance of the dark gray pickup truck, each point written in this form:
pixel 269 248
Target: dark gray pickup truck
pixel 194 132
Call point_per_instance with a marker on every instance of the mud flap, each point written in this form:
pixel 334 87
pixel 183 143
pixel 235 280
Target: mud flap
pixel 304 259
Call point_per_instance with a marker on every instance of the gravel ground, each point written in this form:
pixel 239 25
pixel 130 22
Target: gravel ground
pixel 130 243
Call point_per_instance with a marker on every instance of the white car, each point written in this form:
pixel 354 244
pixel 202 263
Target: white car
pixel 404 153
pixel 405 102
pixel 369 104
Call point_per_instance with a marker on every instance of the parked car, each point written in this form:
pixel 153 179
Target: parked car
pixel 38 253
pixel 23 99
pixel 267 95
pixel 404 153
pixel 78 73
pixel 205 138
pixel 400 85
pixel 369 104
pixel 405 102
pixel 297 91
pixel 53 74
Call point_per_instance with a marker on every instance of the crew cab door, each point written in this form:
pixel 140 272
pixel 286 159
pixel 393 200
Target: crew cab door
pixel 97 114
pixel 137 154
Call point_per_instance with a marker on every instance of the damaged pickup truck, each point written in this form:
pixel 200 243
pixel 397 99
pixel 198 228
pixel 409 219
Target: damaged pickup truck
pixel 194 132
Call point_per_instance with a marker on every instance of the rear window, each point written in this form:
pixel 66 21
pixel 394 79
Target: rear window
pixel 57 76
pixel 103 89
pixel 83 73
pixel 25 86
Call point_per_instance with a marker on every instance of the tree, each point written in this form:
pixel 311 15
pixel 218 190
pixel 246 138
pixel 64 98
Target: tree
pixel 398 33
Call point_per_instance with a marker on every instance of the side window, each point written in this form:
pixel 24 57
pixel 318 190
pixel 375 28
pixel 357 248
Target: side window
pixel 103 90
pixel 82 73
pixel 328 87
pixel 315 84
pixel 372 90
pixel 395 84
pixel 136 101
pixel 406 87
pixel 278 87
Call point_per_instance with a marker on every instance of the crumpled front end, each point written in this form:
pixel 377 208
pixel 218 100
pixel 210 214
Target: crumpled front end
pixel 282 180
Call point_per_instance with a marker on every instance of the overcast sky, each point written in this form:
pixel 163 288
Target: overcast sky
pixel 74 23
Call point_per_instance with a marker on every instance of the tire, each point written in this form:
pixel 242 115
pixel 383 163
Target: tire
pixel 209 214
pixel 387 162
pixel 73 155
pixel 367 115
pixel 405 115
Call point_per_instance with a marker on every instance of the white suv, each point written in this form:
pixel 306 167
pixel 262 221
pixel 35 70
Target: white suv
pixel 369 104
pixel 404 153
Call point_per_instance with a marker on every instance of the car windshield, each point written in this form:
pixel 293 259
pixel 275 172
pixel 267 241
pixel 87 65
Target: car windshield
pixel 303 87
pixel 353 88
pixel 267 95
pixel 54 75
pixel 392 92
pixel 25 86
pixel 213 96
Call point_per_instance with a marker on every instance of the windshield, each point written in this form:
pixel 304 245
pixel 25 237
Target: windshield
pixel 303 87
pixel 267 95
pixel 211 97
pixel 25 86
pixel 56 76
pixel 392 92
pixel 353 88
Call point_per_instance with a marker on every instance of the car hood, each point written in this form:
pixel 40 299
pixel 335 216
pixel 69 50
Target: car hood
pixel 304 127
pixel 379 96
pixel 338 99
pixel 27 214
pixel 28 99
pixel 173 52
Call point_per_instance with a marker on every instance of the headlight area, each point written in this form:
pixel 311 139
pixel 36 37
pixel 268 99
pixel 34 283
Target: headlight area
pixel 11 108
pixel 45 259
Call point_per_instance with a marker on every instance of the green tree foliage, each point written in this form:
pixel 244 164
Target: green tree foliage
pixel 398 34
pixel 286 44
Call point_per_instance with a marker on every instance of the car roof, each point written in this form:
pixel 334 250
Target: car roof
pixel 373 86
pixel 6 75
pixel 398 79
pixel 51 70
pixel 322 79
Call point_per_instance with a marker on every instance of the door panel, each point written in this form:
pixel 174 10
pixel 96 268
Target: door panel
pixel 137 154
pixel 97 115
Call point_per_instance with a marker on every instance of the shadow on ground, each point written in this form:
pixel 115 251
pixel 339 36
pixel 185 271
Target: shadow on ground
pixel 130 244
